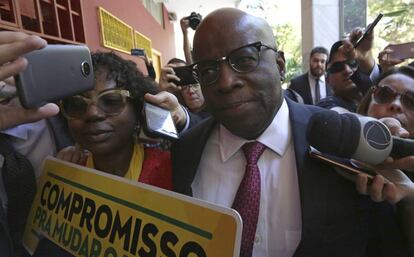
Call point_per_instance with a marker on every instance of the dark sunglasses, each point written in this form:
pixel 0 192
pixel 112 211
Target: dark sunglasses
pixel 112 102
pixel 242 60
pixel 340 66
pixel 386 95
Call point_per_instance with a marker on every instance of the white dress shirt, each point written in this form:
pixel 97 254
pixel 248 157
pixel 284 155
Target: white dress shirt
pixel 34 141
pixel 322 87
pixel 222 168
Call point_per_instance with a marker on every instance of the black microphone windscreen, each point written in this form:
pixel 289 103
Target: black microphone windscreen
pixel 334 133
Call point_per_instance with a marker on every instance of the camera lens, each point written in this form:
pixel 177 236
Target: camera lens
pixel 86 68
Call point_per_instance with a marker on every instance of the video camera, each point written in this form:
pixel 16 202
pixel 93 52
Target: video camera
pixel 194 19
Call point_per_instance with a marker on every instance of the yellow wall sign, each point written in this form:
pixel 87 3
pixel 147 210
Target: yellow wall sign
pixel 90 213
pixel 115 34
pixel 142 41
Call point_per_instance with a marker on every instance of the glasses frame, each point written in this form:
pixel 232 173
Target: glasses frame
pixel 403 96
pixel 258 45
pixel 94 100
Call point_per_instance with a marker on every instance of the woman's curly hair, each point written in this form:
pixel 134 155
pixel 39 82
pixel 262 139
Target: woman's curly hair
pixel 126 75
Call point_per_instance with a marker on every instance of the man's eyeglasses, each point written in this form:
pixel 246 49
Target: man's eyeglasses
pixel 243 59
pixel 340 66
pixel 386 95
pixel 192 86
pixel 112 102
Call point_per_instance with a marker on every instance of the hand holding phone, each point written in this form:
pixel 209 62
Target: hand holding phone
pixel 368 30
pixel 401 51
pixel 138 52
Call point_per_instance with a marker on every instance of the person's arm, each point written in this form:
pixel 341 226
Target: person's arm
pixel 12 46
pixel 149 66
pixel 395 187
pixel 185 24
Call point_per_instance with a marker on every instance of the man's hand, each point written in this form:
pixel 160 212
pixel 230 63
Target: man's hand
pixel 395 127
pixel 366 44
pixel 168 101
pixel 385 61
pixel 166 78
pixel 74 154
pixel 363 53
pixel 391 185
pixel 12 46
pixel 185 24
pixel 13 116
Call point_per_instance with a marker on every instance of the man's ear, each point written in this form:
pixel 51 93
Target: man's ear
pixel 281 64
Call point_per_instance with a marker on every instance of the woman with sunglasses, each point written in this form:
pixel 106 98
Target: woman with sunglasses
pixel 392 100
pixel 106 121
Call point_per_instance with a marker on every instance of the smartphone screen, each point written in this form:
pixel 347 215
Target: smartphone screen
pixel 159 122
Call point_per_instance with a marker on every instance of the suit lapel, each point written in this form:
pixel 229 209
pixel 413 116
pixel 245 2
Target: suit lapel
pixel 310 179
pixel 186 154
pixel 299 118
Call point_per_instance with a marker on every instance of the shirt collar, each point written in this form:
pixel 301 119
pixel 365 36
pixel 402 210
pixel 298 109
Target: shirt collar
pixel 276 136
pixel 321 78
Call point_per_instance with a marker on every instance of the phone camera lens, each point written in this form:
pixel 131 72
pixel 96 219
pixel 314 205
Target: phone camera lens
pixel 86 68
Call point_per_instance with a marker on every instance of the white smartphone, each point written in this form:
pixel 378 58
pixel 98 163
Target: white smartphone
pixel 53 73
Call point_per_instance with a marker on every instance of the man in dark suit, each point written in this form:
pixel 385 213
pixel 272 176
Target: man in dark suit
pixel 311 85
pixel 252 155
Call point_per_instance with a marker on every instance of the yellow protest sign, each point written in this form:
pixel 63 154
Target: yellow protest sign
pixel 91 213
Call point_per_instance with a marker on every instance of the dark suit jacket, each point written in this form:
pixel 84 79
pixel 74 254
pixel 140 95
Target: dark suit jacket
pixel 336 220
pixel 362 81
pixel 301 86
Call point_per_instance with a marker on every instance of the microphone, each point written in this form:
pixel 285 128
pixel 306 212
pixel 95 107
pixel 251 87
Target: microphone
pixel 359 137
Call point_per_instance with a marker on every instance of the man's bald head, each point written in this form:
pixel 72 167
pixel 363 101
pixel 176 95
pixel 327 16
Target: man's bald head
pixel 221 24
